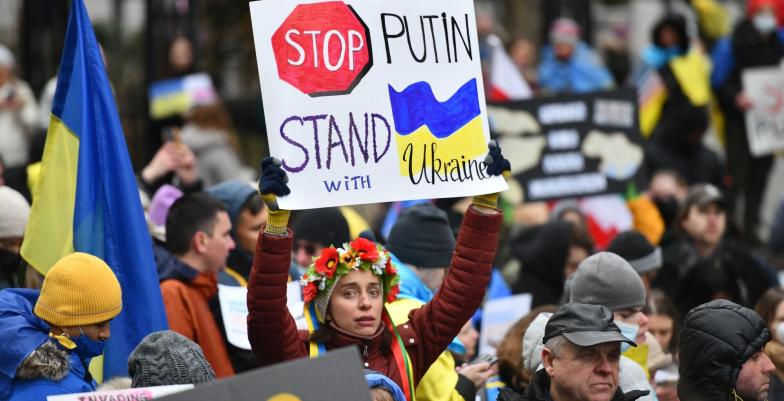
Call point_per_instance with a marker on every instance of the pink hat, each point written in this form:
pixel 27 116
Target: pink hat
pixel 164 197
pixel 564 30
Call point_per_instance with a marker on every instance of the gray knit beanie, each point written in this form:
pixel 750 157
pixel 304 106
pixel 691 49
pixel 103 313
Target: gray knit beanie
pixel 166 358
pixel 607 279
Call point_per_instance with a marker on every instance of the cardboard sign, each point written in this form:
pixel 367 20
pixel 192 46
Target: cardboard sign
pixel 373 100
pixel 234 307
pixel 498 315
pixel 572 146
pixel 765 119
pixel 336 376
pixel 131 394
pixel 176 96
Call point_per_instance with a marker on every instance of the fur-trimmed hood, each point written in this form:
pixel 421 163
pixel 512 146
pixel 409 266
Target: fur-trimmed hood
pixel 45 362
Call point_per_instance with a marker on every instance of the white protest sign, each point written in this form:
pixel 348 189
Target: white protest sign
pixel 765 119
pixel 131 394
pixel 498 315
pixel 234 308
pixel 373 100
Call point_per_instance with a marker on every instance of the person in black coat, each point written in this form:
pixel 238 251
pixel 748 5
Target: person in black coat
pixel 721 354
pixel 548 253
pixel 754 43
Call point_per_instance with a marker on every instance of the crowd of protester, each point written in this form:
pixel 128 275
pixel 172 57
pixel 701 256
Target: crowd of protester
pixel 684 303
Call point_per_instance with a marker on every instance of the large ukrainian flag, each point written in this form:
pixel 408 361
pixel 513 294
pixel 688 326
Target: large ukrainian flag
pixel 86 199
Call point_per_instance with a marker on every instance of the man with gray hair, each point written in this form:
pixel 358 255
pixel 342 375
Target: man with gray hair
pixel 581 357
pixel 608 280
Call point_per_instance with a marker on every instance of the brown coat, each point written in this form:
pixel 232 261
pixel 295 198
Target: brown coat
pixel 274 337
pixel 188 312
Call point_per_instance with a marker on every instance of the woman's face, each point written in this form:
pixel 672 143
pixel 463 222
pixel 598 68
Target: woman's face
pixel 634 316
pixel 661 326
pixel 778 317
pixel 357 302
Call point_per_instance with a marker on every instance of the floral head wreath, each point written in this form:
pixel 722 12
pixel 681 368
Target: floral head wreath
pixel 334 263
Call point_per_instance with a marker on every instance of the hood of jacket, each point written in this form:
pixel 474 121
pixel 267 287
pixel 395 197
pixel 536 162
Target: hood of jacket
pixel 542 252
pixel 170 267
pixel 717 338
pixel 25 338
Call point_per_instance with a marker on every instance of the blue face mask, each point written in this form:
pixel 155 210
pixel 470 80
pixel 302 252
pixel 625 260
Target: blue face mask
pixel 629 331
pixel 87 347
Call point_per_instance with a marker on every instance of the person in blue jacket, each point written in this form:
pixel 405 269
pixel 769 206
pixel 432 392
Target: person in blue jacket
pixel 48 337
pixel 569 65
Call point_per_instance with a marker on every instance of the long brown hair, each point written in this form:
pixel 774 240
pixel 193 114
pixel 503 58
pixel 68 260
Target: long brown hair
pixel 768 303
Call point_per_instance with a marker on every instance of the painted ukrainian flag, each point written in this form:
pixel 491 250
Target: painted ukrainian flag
pixel 86 199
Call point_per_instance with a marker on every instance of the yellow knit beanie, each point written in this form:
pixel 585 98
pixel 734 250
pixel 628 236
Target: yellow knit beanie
pixel 80 289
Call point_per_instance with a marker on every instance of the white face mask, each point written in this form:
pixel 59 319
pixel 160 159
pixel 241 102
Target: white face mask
pixel 778 334
pixel 629 331
pixel 764 22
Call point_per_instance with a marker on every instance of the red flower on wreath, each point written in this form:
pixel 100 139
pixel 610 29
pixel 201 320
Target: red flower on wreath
pixel 327 263
pixel 309 291
pixel 393 293
pixel 390 268
pixel 366 249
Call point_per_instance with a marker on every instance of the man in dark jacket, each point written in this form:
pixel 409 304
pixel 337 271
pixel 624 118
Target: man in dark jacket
pixel 581 358
pixel 721 354
pixel 699 264
pixel 754 43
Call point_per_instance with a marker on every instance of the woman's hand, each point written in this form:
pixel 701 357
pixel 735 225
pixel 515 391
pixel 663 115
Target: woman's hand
pixel 497 164
pixel 273 183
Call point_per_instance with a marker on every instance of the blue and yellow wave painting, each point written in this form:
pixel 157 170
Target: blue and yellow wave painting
pixel 454 125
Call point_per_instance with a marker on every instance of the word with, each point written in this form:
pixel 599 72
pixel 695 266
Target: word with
pixel 561 113
pixel 349 44
pixel 429 24
pixel 451 170
pixel 357 146
pixel 358 182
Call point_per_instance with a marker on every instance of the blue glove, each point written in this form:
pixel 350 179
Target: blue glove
pixel 497 164
pixel 272 184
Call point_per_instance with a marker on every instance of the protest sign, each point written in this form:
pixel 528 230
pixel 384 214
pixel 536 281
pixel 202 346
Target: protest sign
pixel 234 308
pixel 571 146
pixel 765 119
pixel 131 394
pixel 373 101
pixel 178 95
pixel 337 375
pixel 498 316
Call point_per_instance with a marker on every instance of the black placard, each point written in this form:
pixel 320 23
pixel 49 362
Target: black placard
pixel 572 146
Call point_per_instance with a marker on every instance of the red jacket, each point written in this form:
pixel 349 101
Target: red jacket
pixel 274 337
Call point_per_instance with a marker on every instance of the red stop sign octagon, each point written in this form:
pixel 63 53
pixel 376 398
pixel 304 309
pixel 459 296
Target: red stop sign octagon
pixel 322 48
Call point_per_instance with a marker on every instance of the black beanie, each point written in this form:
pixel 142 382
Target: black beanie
pixel 325 226
pixel 635 248
pixel 422 237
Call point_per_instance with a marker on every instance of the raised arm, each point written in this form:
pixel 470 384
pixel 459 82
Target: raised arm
pixel 463 289
pixel 272 331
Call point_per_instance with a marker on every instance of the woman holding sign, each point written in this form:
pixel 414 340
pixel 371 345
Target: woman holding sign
pixel 345 289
